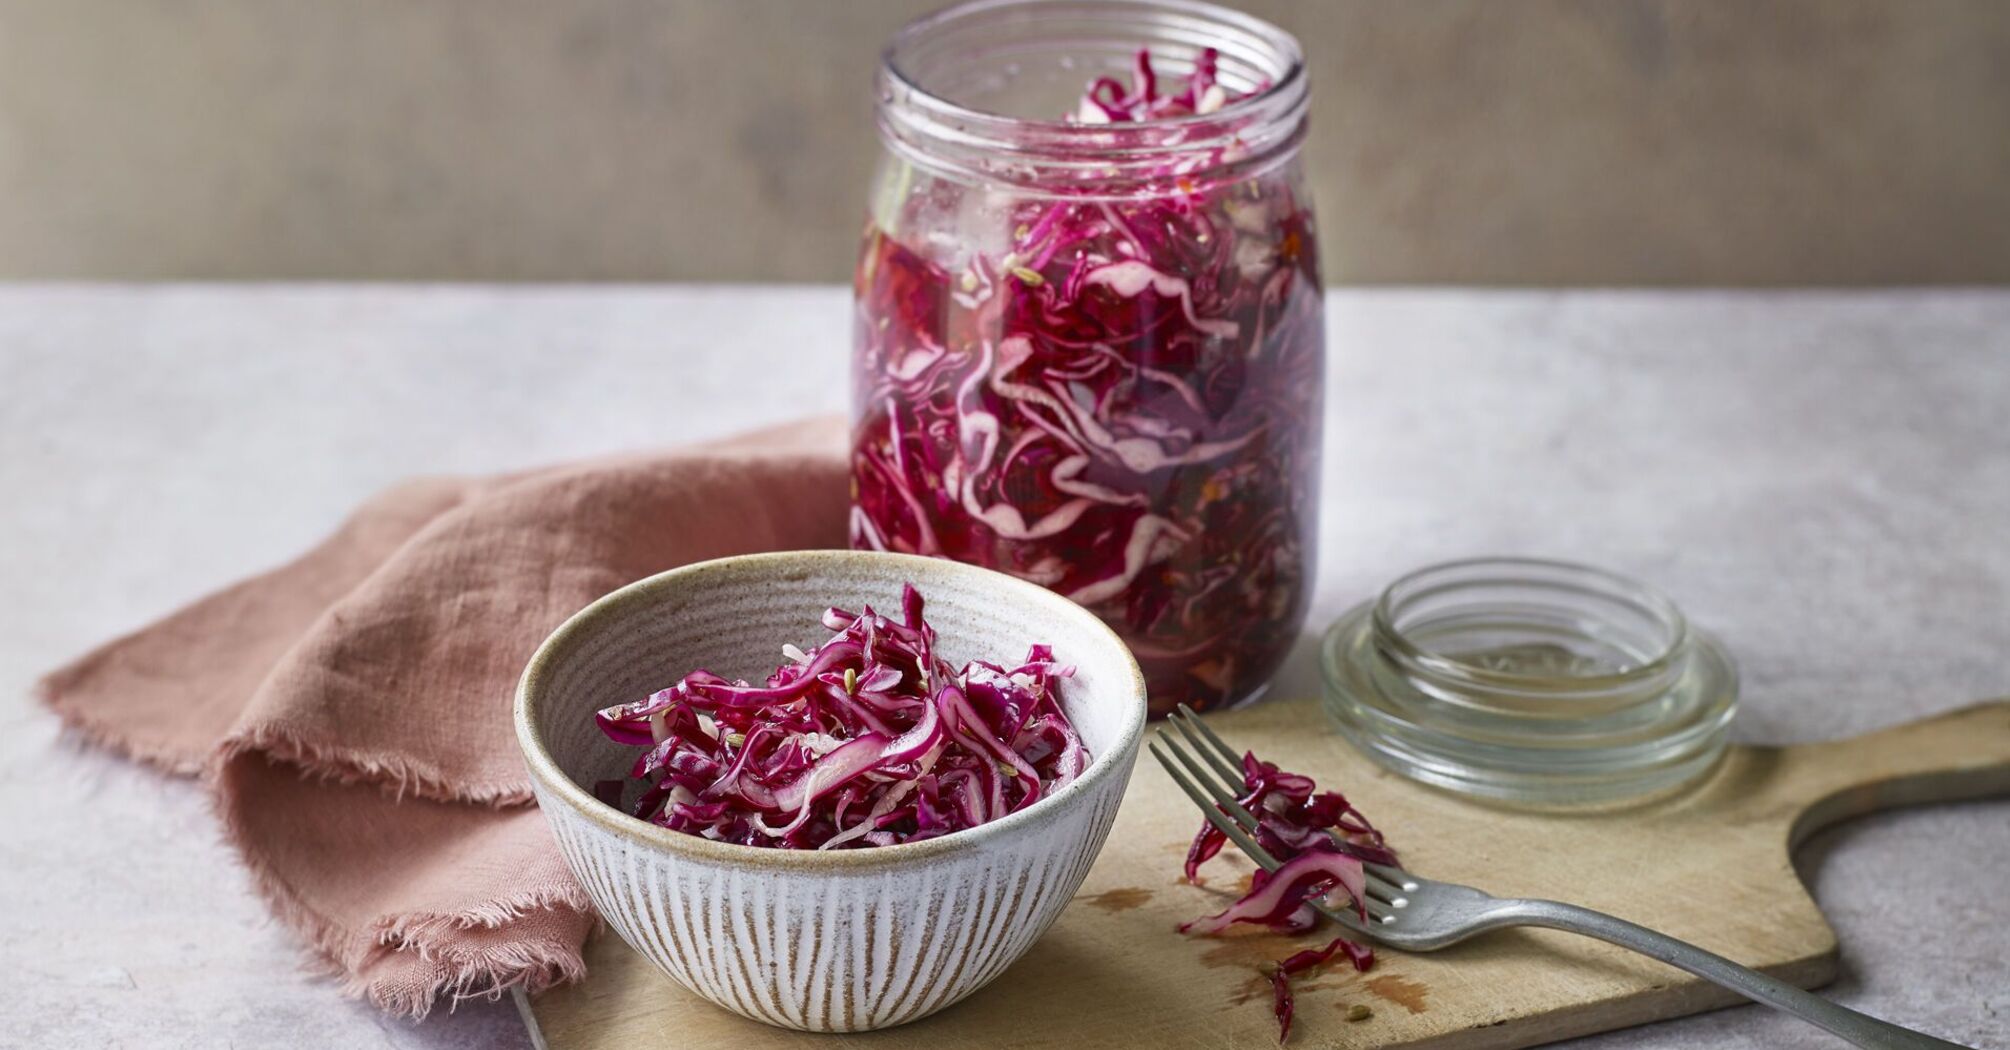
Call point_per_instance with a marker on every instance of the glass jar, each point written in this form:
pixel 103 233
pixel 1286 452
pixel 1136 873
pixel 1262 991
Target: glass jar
pixel 1089 343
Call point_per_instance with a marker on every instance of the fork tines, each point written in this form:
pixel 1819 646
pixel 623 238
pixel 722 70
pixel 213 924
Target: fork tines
pixel 1210 773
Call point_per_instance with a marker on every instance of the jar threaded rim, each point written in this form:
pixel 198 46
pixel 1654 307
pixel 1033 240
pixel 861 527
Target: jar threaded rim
pixel 925 115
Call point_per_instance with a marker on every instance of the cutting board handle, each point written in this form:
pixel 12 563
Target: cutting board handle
pixel 1963 754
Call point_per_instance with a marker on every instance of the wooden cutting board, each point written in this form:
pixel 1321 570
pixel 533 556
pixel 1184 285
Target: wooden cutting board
pixel 1711 867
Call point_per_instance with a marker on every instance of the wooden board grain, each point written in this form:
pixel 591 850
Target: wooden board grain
pixel 1712 867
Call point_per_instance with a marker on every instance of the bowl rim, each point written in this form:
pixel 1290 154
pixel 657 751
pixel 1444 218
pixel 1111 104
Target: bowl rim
pixel 544 769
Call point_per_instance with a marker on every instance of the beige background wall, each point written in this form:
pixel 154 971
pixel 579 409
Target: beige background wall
pixel 1536 141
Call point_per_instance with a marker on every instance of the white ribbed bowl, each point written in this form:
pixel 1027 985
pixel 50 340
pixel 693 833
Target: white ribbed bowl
pixel 846 940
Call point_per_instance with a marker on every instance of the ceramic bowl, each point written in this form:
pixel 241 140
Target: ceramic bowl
pixel 845 940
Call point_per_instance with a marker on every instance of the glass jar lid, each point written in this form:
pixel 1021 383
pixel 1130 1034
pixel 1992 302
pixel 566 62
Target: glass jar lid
pixel 1535 683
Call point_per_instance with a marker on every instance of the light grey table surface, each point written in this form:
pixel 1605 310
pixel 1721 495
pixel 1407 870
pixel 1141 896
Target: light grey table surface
pixel 1822 478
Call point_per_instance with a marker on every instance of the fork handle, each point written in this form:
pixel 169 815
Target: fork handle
pixel 1859 1028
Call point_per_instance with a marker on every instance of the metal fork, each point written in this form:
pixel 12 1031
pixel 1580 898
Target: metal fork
pixel 1417 914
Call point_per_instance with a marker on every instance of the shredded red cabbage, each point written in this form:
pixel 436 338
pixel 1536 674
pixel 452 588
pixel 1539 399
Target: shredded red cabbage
pixel 1108 101
pixel 868 740
pixel 1323 841
pixel 1114 394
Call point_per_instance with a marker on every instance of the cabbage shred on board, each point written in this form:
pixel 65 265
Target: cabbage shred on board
pixel 870 739
pixel 1323 841
pixel 1113 393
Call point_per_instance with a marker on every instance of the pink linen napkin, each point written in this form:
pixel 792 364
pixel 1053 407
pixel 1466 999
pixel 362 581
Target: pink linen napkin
pixel 351 710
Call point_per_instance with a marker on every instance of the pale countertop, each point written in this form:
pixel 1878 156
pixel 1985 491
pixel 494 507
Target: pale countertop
pixel 1821 478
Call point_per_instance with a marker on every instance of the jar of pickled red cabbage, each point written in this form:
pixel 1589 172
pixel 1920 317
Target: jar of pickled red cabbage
pixel 1089 344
